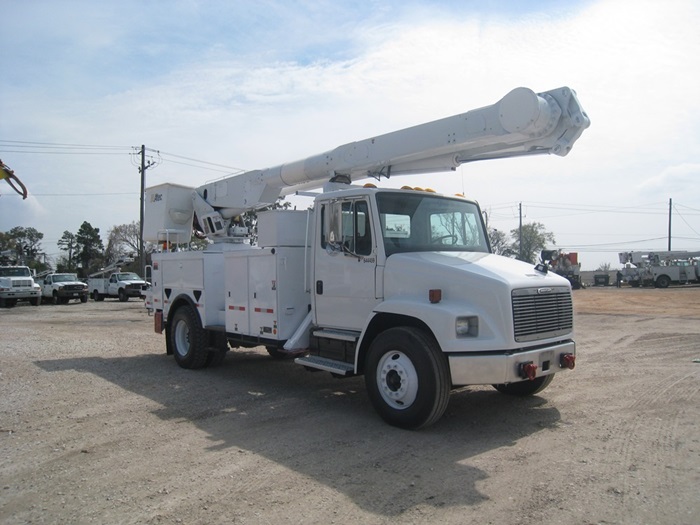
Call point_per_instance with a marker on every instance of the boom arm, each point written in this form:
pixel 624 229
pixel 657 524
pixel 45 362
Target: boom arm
pixel 521 123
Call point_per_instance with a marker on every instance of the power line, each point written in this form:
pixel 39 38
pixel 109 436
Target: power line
pixel 59 144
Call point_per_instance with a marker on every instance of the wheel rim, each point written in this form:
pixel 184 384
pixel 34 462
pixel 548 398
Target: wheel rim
pixel 397 380
pixel 182 338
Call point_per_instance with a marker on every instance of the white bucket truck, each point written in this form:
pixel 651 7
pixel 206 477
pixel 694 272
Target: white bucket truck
pixel 113 282
pixel 397 285
pixel 17 284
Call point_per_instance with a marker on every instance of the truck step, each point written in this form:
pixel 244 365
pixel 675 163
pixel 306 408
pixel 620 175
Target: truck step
pixel 329 365
pixel 340 335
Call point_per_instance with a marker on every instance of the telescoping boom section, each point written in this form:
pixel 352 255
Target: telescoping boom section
pixel 397 285
pixel 522 123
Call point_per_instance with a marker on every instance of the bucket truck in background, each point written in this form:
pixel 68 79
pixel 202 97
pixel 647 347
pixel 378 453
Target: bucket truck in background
pixel 564 264
pixel 396 285
pixel 17 284
pixel 660 268
pixel 112 282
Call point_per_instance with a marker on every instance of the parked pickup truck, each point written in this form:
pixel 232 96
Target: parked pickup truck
pixel 17 284
pixel 60 288
pixel 121 285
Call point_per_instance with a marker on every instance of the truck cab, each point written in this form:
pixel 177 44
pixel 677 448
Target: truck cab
pixel 17 284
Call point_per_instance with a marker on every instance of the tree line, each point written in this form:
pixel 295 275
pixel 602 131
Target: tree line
pixel 83 252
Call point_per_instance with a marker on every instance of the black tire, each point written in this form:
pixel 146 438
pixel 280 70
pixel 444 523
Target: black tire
pixel 36 301
pixel 83 298
pixel 218 347
pixel 662 281
pixel 54 298
pixel 188 339
pixel 122 295
pixel 96 296
pixel 215 357
pixel 525 388
pixel 407 378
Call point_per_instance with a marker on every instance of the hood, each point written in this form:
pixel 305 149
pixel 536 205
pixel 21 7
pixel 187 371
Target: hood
pixel 462 273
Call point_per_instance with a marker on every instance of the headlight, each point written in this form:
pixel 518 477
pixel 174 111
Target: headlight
pixel 467 326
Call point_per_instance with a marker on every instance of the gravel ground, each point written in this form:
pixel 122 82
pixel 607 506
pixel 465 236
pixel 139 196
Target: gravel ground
pixel 98 425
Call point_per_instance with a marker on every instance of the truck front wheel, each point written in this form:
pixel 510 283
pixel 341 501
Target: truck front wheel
pixel 188 339
pixel 525 388
pixel 662 281
pixel 122 295
pixel 407 378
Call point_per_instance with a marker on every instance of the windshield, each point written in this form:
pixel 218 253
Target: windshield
pixel 15 271
pixel 129 277
pixel 425 222
pixel 64 277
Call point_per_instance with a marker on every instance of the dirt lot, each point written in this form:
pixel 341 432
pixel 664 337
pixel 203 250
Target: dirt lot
pixel 98 425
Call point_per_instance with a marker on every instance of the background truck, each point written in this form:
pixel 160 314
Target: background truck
pixel 112 282
pixel 17 284
pixel 59 288
pixel 660 268
pixel 564 264
pixel 395 284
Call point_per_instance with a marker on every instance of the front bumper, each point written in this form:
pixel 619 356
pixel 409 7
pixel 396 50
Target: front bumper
pixel 24 294
pixel 492 368
pixel 72 294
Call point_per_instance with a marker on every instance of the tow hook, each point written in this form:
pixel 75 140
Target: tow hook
pixel 528 370
pixel 567 361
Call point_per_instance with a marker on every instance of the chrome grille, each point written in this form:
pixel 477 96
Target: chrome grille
pixel 541 313
pixel 21 283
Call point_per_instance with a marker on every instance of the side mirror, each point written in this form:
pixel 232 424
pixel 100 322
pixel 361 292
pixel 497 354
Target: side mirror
pixel 334 225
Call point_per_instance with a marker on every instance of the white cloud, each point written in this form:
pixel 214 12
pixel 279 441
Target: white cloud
pixel 275 93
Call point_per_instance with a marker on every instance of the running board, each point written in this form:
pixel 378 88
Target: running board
pixel 338 335
pixel 340 368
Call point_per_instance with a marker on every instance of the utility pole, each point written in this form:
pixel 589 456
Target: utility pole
pixel 142 171
pixel 520 232
pixel 670 203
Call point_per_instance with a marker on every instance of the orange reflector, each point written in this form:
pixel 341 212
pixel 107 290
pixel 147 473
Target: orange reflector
pixel 435 296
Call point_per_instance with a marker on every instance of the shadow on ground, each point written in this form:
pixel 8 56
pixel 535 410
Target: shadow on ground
pixel 326 429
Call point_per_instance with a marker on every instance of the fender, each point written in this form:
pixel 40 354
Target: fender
pixel 181 299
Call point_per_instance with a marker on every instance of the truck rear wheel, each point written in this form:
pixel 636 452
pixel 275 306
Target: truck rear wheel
pixel 188 339
pixel 662 281
pixel 407 378
pixel 525 388
pixel 96 296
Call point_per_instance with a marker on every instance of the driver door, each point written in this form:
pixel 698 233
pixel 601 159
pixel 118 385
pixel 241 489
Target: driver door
pixel 345 264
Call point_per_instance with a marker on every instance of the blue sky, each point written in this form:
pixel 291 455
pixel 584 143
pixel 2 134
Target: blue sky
pixel 255 84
